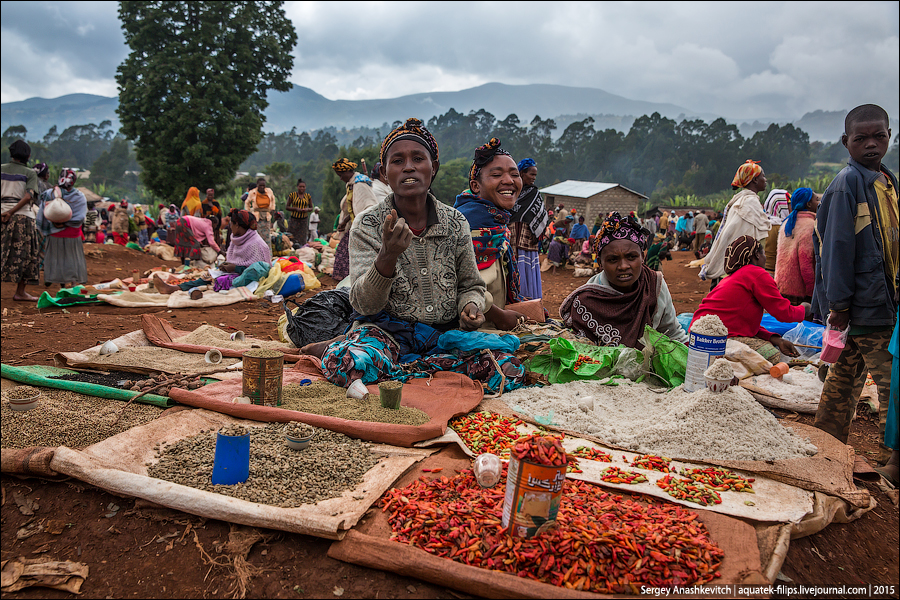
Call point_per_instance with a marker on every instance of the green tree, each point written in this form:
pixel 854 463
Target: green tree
pixel 111 165
pixel 193 89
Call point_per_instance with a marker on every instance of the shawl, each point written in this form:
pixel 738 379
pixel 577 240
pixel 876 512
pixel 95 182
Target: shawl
pixel 745 216
pixel 580 231
pixel 76 201
pixel 529 209
pixel 799 200
pixel 248 249
pixel 358 178
pixel 777 205
pixel 611 318
pixel 191 204
pixel 490 237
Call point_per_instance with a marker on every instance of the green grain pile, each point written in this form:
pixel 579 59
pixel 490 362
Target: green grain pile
pixel 64 418
pixel 279 476
pixel 323 398
pixel 212 337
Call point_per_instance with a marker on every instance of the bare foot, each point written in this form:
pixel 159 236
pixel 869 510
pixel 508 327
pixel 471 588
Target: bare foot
pixel 162 287
pixel 24 297
pixel 318 349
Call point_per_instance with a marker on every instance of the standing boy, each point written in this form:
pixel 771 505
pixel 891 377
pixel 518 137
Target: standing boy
pixel 856 248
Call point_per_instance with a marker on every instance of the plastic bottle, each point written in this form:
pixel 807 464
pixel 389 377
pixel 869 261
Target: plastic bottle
pixel 487 469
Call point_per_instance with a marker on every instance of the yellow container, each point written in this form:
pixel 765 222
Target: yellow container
pixel 263 376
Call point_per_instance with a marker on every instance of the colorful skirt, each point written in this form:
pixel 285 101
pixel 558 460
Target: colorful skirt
pixel 21 250
pixel 342 259
pixel 186 245
pixel 370 354
pixel 529 266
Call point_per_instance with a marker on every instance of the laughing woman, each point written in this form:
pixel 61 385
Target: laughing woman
pixel 413 277
pixel 494 187
pixel 613 307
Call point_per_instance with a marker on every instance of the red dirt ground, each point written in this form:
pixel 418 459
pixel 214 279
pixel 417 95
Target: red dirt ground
pixel 127 558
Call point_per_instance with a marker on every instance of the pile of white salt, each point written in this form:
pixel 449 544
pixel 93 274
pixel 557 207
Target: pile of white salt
pixel 699 425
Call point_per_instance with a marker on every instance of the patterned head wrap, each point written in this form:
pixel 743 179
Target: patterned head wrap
pixel 525 164
pixel 344 165
pixel 412 130
pixel 484 155
pixel 746 173
pixel 799 199
pixel 740 252
pixel 67 177
pixel 616 227
pixel 41 169
pixel 243 218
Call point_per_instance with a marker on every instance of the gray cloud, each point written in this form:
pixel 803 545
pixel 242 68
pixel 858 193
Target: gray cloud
pixel 766 59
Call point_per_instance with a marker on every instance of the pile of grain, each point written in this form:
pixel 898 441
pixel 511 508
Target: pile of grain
pixel 698 425
pixel 720 370
pixel 710 325
pixel 323 398
pixel 160 359
pixel 212 337
pixel 64 418
pixel 804 388
pixel 279 476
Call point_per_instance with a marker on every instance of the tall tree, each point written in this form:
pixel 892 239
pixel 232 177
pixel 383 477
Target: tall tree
pixel 193 89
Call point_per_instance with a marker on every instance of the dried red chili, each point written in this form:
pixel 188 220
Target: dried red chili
pixel 601 542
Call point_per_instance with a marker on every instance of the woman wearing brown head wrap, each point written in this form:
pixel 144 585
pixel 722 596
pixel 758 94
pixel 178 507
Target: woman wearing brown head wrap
pixel 741 297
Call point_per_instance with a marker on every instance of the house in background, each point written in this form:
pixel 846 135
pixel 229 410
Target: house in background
pixel 592 198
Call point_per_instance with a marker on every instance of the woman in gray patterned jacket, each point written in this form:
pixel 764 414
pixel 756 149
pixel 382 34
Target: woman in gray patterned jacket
pixel 413 274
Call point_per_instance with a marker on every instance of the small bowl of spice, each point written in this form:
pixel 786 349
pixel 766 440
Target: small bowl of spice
pixel 718 376
pixel 298 436
pixel 23 397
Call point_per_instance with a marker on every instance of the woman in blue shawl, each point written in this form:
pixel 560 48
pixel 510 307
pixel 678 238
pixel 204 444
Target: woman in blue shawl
pixel 494 187
pixel 64 250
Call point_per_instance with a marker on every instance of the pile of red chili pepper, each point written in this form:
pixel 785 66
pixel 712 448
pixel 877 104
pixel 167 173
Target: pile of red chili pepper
pixel 541 450
pixel 653 463
pixel 583 359
pixel 487 432
pixel 686 489
pixel 617 475
pixel 601 542
pixel 591 454
pixel 721 480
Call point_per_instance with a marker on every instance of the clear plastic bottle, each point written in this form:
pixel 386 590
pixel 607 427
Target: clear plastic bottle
pixel 487 470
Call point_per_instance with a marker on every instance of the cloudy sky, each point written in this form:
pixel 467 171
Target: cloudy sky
pixel 736 59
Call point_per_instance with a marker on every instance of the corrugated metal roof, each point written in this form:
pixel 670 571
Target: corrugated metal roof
pixel 582 189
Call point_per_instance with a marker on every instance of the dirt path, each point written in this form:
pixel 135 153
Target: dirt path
pixel 145 552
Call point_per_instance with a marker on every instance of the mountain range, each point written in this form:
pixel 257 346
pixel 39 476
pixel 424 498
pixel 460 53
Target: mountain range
pixel 307 110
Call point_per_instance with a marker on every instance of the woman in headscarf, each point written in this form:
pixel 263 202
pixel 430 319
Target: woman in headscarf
pixel 558 252
pixel 528 223
pixel 192 203
pixel 245 249
pixel 741 297
pixel 21 242
pixel 795 269
pixel 494 187
pixel 63 249
pixel 190 234
pixel 614 306
pixel 172 216
pixel 657 252
pixel 744 215
pixel 413 274
pixel 359 197
pixel 43 173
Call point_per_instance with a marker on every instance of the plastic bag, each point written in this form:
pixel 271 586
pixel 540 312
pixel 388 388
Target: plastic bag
pixel 323 317
pixel 667 358
pixel 809 334
pixel 559 366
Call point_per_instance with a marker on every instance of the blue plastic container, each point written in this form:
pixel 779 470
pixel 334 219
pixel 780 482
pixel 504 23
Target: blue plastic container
pixel 232 461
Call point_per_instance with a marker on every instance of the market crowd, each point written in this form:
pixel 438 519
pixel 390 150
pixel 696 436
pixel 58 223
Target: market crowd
pixel 417 267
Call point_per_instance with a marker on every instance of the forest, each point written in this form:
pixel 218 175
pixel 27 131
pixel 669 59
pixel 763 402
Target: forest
pixel 680 163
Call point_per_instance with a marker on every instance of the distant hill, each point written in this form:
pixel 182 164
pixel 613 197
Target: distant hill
pixel 307 110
